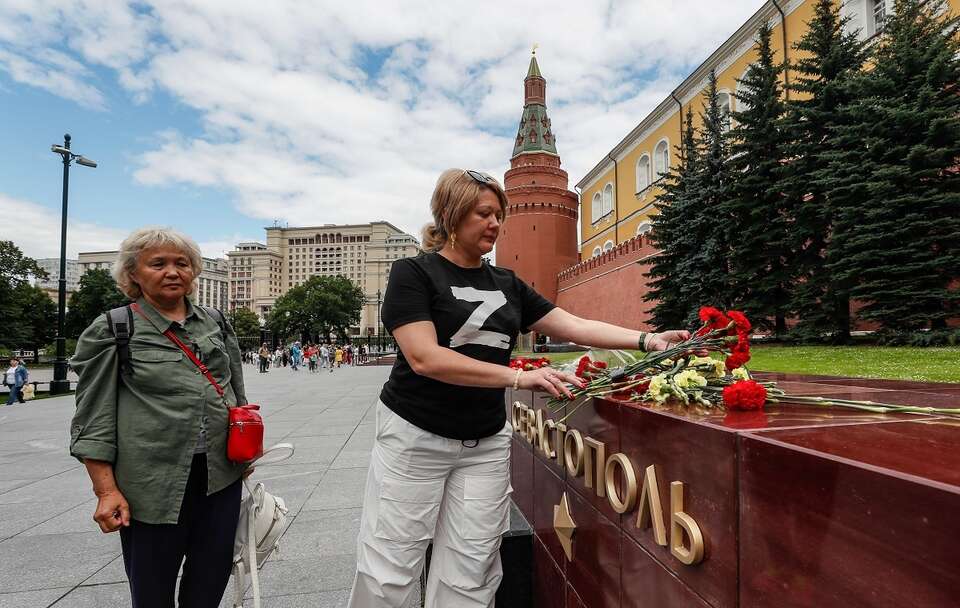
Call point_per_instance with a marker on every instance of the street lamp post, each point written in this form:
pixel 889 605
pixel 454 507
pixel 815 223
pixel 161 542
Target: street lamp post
pixel 60 383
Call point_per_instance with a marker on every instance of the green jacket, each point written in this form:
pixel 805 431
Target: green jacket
pixel 147 422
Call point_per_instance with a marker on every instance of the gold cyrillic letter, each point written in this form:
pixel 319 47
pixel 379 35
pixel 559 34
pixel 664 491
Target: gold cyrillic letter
pixel 573 452
pixel 629 487
pixel 549 448
pixel 680 522
pixel 531 426
pixel 650 509
pixel 559 442
pixel 594 460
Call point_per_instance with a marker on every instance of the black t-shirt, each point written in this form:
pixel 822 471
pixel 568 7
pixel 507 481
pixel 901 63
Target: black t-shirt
pixel 477 312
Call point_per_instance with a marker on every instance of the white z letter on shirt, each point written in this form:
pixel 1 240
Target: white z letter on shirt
pixel 470 332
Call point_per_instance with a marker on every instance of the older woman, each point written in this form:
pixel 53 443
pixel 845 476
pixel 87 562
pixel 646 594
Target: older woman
pixel 152 432
pixel 440 466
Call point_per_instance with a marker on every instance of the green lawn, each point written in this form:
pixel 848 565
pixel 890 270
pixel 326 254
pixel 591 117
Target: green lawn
pixel 898 363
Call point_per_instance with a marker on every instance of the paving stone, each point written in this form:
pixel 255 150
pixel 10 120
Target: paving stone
pixel 111 573
pixel 327 599
pixel 54 560
pixel 317 534
pixel 339 489
pixel 111 595
pixel 32 599
pixel 310 575
pixel 352 459
pixel 77 519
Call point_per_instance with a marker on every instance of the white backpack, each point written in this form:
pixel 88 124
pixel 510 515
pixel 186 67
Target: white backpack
pixel 263 518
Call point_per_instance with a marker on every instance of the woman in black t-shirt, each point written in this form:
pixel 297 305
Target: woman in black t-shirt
pixel 440 464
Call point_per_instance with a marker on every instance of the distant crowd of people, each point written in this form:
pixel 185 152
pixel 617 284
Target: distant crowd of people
pixel 312 356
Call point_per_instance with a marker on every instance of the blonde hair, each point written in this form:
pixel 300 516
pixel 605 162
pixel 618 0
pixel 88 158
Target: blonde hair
pixel 149 238
pixel 454 196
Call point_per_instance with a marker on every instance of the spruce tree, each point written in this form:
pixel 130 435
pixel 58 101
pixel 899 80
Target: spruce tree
pixel 670 237
pixel 705 272
pixel 758 233
pixel 893 181
pixel 829 57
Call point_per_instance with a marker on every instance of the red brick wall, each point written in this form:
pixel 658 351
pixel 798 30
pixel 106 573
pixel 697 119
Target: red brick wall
pixel 609 287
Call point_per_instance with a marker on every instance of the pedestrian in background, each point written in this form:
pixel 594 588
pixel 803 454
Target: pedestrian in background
pixel 15 377
pixel 338 356
pixel 152 433
pixel 296 356
pixel 264 358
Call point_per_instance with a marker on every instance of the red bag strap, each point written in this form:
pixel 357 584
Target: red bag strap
pixel 189 353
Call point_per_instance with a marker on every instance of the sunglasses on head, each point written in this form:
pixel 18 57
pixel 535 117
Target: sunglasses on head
pixel 481 178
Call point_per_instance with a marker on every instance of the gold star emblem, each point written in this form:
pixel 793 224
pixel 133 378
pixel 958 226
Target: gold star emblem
pixel 564 526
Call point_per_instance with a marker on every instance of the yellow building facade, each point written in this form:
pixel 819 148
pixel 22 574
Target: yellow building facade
pixel 618 195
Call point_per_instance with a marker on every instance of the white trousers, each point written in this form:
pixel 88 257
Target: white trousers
pixel 421 486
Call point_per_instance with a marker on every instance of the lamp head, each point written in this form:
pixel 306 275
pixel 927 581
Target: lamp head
pixel 58 149
pixel 86 162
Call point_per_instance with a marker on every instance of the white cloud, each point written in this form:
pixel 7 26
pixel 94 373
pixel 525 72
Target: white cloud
pixel 35 229
pixel 301 125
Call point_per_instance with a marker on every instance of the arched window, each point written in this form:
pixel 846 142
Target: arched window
pixel 607 246
pixel 661 158
pixel 596 251
pixel 643 173
pixel 723 100
pixel 644 228
pixel 596 208
pixel 607 199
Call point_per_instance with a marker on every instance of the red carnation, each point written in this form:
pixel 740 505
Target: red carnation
pixel 713 319
pixel 742 324
pixel 745 395
pixel 582 365
pixel 736 360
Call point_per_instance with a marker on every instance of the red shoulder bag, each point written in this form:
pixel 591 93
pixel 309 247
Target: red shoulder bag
pixel 245 431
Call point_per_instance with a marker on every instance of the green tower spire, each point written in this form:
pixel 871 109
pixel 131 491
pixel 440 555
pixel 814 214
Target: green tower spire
pixel 534 134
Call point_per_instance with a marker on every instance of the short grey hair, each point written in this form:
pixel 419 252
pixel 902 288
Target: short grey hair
pixel 149 238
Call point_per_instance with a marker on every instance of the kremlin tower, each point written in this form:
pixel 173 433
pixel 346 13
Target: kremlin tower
pixel 539 237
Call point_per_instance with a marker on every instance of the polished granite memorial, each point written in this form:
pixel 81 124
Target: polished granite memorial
pixel 796 506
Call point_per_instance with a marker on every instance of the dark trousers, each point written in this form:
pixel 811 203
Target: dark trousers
pixel 264 364
pixel 16 394
pixel 203 534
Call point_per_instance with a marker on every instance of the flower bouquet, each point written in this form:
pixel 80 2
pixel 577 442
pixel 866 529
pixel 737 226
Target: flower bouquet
pixel 708 370
pixel 527 363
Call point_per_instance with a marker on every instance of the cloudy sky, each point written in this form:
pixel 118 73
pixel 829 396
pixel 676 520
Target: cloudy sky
pixel 220 117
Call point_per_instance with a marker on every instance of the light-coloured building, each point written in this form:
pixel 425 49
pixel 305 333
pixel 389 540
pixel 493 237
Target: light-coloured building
pixel 255 277
pixel 212 285
pixel 363 253
pixel 51 285
pixel 90 260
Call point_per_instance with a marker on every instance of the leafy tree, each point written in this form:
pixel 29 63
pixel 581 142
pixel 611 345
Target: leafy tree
pixel 829 57
pixel 320 306
pixel 245 322
pixel 37 324
pixel 892 180
pixel 97 294
pixel 705 271
pixel 25 311
pixel 759 231
pixel 670 237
